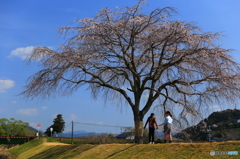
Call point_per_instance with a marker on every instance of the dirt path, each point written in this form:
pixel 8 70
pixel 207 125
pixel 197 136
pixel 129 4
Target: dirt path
pixel 54 143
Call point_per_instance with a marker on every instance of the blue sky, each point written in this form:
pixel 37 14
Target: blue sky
pixel 25 24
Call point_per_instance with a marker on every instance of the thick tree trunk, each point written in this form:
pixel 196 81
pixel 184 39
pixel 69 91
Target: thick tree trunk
pixel 138 132
pixel 138 120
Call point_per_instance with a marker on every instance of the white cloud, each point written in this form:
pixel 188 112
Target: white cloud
pixel 44 107
pixel 21 52
pixel 73 117
pixel 28 111
pixel 6 84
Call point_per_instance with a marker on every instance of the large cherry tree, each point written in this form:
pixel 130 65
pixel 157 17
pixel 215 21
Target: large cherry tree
pixel 141 59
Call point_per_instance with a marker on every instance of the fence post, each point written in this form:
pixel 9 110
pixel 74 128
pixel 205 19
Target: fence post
pixel 72 132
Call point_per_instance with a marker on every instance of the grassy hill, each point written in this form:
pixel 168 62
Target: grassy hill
pixel 41 149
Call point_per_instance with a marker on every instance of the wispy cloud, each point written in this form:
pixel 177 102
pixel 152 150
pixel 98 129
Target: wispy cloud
pixel 13 102
pixel 44 107
pixel 21 52
pixel 6 84
pixel 73 117
pixel 28 111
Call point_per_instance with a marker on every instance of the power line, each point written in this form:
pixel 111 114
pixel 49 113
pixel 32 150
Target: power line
pixel 101 125
pixel 68 125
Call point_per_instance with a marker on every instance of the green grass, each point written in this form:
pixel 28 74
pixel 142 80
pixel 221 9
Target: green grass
pixel 69 141
pixel 178 150
pixel 51 149
pixel 25 147
pixel 68 151
pixel 49 139
pixel 86 140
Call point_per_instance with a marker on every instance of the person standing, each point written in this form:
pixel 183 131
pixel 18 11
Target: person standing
pixel 167 126
pixel 151 121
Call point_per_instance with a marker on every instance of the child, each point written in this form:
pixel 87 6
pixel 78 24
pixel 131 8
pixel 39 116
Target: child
pixel 168 126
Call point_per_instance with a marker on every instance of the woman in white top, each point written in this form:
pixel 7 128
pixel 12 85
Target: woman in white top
pixel 168 126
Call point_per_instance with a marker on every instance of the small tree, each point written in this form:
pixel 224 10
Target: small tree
pixel 143 59
pixel 58 125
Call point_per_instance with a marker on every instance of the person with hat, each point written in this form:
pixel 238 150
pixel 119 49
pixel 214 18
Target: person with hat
pixel 152 122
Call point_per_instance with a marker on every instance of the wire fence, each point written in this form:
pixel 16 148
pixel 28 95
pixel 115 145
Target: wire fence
pixel 98 133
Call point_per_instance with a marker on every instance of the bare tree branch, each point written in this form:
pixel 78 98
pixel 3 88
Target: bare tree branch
pixel 126 54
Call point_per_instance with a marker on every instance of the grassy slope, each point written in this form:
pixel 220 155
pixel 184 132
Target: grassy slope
pixel 25 147
pixel 174 150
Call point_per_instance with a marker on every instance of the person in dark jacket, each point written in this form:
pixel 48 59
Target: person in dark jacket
pixel 151 121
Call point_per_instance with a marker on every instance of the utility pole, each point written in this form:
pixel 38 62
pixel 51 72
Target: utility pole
pixel 72 132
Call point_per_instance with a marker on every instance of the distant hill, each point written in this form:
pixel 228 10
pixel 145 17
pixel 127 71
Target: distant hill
pixel 78 134
pixel 223 124
pixel 31 128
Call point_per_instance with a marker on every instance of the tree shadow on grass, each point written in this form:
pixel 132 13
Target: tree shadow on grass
pixel 65 151
pixel 120 151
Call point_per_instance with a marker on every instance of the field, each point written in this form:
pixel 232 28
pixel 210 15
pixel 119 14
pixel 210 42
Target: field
pixel 47 149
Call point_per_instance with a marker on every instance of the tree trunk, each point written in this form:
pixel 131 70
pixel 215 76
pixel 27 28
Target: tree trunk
pixel 138 121
pixel 138 131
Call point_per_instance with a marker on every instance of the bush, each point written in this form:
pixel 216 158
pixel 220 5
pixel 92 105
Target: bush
pixel 219 134
pixel 6 155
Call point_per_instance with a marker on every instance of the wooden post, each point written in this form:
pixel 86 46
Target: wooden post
pixel 72 132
